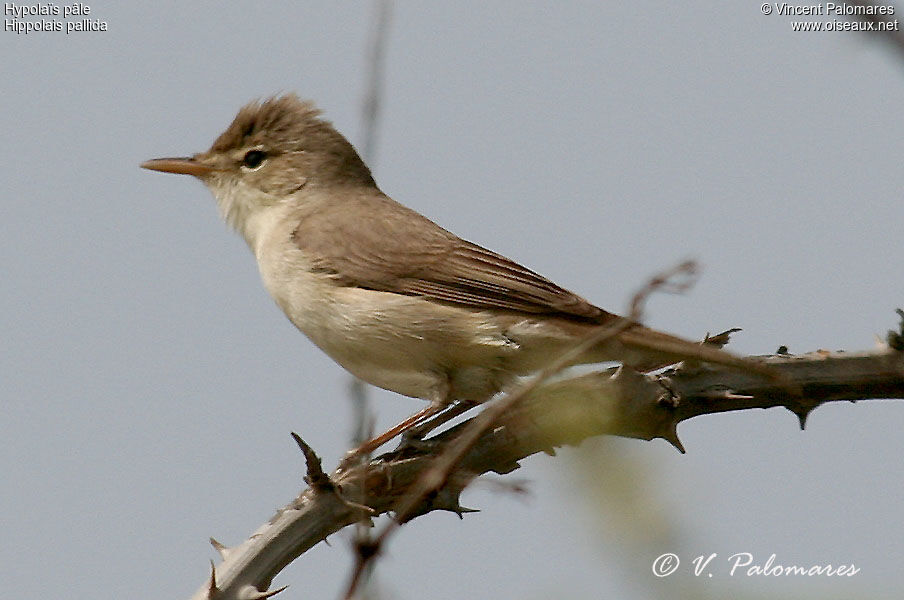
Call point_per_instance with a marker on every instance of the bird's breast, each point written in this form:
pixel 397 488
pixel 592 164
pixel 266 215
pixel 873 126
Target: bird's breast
pixel 406 344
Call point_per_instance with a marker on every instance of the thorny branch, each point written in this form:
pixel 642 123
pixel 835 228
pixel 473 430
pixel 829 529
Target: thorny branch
pixel 613 402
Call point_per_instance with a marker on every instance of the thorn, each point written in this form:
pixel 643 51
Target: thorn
pixel 455 507
pixel 720 340
pixel 448 500
pixel 461 510
pixel 316 478
pixel 895 339
pixel 368 511
pixel 550 451
pixel 724 394
pixel 220 548
pixel 249 592
pixel 212 590
pixel 671 436
pixel 802 417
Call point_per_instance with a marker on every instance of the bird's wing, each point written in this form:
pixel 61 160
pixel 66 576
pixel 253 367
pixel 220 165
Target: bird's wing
pixel 394 249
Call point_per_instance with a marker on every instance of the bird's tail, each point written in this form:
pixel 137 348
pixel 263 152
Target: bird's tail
pixel 659 349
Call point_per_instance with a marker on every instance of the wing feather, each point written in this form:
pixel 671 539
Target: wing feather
pixel 394 249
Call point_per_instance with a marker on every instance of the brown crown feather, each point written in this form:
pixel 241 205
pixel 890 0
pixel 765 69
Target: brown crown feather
pixel 287 124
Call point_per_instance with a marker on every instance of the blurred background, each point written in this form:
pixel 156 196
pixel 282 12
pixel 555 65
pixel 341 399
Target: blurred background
pixel 148 384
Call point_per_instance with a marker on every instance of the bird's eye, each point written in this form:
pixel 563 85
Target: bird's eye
pixel 254 158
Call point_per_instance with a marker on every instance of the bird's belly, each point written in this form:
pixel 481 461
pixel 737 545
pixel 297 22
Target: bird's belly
pixel 405 344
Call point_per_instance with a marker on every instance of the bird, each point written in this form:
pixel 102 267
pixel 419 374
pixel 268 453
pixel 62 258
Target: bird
pixel 394 298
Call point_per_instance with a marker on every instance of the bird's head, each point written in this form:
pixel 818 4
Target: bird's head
pixel 273 151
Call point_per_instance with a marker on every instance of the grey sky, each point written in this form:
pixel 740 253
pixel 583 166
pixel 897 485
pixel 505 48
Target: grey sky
pixel 146 395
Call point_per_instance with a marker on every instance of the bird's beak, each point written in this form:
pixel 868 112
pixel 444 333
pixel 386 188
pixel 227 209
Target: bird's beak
pixel 185 165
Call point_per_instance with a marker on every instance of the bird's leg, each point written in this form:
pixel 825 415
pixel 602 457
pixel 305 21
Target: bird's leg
pixel 370 445
pixel 441 398
pixel 419 431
